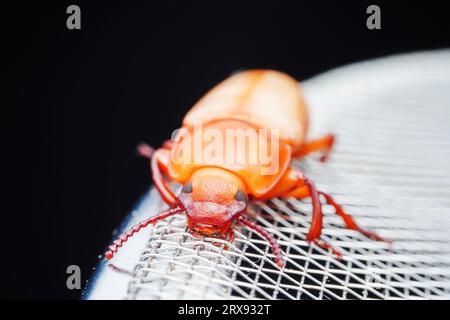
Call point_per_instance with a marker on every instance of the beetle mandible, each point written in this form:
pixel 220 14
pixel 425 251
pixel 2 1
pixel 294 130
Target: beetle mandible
pixel 215 194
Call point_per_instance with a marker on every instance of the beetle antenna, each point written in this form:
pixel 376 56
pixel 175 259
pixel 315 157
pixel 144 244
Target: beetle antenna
pixel 276 250
pixel 127 235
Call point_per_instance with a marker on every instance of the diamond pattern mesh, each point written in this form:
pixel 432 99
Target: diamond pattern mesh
pixel 390 170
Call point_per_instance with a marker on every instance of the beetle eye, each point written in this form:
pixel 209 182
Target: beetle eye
pixel 240 196
pixel 187 188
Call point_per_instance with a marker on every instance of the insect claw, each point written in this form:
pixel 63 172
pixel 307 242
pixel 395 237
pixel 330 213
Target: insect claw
pixel 144 150
pixel 326 246
pixel 281 263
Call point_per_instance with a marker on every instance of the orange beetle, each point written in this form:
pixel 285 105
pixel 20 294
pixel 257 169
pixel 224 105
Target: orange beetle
pixel 217 187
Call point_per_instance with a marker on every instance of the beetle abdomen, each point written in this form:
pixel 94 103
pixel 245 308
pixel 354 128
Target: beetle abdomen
pixel 266 98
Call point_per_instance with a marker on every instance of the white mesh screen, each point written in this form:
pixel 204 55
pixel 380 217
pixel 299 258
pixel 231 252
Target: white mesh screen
pixel 390 169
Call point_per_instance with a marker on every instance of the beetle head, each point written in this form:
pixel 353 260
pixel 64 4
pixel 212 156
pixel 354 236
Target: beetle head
pixel 213 199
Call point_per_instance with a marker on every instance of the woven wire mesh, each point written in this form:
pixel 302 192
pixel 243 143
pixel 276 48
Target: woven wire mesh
pixel 390 169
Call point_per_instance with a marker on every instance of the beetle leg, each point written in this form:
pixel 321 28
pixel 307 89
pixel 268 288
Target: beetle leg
pixel 229 238
pixel 350 222
pixel 300 190
pixel 144 150
pixel 317 220
pixel 295 184
pixel 324 144
pixel 159 160
pixel 158 164
pixel 167 144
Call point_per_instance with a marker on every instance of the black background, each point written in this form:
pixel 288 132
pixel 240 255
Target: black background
pixel 81 100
